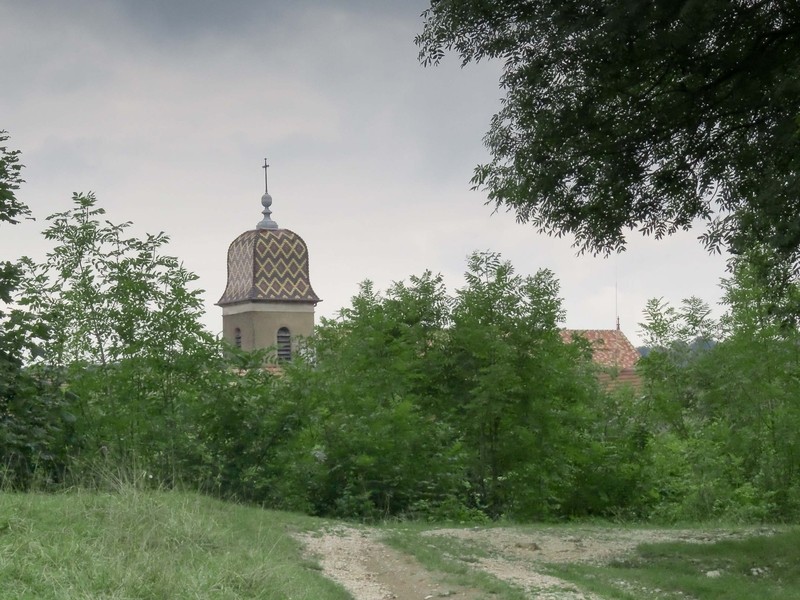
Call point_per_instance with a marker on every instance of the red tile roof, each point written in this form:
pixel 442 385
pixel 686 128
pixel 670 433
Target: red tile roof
pixel 622 378
pixel 613 351
pixel 610 347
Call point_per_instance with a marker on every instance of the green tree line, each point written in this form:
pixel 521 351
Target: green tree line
pixel 414 402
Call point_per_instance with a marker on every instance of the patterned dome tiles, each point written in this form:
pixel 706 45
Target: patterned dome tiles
pixel 268 265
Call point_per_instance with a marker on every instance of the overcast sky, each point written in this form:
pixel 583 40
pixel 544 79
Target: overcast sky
pixel 166 110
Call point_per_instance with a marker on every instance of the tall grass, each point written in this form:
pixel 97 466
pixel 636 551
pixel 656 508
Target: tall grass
pixel 151 544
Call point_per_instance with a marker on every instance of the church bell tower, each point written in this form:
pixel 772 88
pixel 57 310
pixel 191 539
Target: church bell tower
pixel 268 301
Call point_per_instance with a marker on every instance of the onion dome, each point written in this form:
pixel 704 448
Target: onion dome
pixel 268 264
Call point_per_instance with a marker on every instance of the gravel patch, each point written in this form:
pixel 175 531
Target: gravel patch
pixel 588 545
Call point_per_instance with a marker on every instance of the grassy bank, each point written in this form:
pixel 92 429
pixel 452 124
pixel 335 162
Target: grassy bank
pixel 151 545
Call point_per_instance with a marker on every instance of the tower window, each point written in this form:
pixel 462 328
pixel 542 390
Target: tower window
pixel 284 344
pixel 237 339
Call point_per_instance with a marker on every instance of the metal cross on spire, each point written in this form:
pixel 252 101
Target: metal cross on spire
pixel 266 202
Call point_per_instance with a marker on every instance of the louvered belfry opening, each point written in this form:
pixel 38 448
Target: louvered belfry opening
pixel 284 343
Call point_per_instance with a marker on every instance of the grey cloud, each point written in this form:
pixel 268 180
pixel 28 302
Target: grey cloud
pixel 166 110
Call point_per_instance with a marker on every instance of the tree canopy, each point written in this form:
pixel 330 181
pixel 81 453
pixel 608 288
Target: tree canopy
pixel 10 208
pixel 643 115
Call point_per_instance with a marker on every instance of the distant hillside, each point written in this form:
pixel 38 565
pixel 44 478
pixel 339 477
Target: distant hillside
pixel 698 344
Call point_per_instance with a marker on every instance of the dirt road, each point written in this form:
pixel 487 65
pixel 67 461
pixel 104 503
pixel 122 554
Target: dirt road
pixel 371 570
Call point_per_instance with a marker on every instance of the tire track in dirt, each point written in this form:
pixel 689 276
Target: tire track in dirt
pixel 371 570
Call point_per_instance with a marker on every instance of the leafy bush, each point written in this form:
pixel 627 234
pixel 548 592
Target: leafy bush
pixel 419 401
pixel 726 412
pixel 122 349
pixel 412 403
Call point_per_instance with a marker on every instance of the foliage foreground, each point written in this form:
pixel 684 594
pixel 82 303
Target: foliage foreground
pixel 136 544
pixel 414 403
